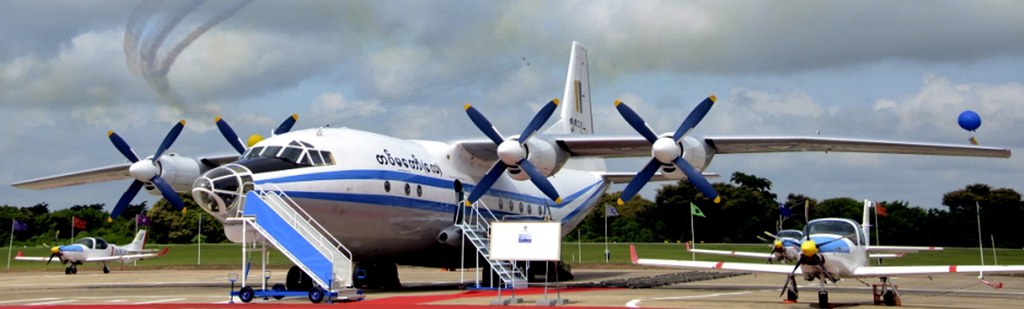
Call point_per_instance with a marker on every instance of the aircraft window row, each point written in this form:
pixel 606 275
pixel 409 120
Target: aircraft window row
pixel 408 189
pixel 523 208
pixel 301 153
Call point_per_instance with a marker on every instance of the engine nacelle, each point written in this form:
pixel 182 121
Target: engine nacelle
pixel 695 151
pixel 451 236
pixel 179 172
pixel 545 155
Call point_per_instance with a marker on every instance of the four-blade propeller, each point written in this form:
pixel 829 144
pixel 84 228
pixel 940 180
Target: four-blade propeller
pixel 666 150
pixel 236 142
pixel 512 153
pixel 146 170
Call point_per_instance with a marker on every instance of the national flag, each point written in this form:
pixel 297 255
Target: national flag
pixel 610 211
pixel 77 223
pixel 142 219
pixel 18 226
pixel 696 211
pixel 880 209
pixel 784 211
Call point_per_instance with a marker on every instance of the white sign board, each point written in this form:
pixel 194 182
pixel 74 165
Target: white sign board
pixel 526 241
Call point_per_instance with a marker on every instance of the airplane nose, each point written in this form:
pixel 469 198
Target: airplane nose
pixel 222 189
pixel 55 250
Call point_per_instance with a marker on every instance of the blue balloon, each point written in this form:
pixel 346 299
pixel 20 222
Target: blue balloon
pixel 969 120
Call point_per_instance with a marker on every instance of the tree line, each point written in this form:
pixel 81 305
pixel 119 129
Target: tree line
pixel 748 207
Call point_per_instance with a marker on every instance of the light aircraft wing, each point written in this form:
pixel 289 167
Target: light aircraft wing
pixel 107 173
pixel 21 257
pixel 883 271
pixel 751 267
pixel 762 255
pixel 605 146
pixel 885 255
pixel 900 249
pixel 127 257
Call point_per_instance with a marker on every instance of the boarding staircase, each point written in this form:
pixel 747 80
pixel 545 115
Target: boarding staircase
pixel 475 224
pixel 286 226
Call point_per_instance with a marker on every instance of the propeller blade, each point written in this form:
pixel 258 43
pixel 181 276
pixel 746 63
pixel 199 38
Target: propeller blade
pixel 122 146
pixel 168 192
pixel 169 139
pixel 51 258
pixel 639 181
pixel 540 181
pixel 698 180
pixel 126 198
pixel 230 135
pixel 486 182
pixel 483 124
pixel 790 277
pixel 286 125
pixel 538 120
pixel 694 118
pixel 635 121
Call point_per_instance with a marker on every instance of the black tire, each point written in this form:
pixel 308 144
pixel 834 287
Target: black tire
pixel 246 294
pixel 791 295
pixel 297 280
pixel 822 299
pixel 889 298
pixel 106 270
pixel 74 270
pixel 316 295
pixel 279 287
pixel 67 270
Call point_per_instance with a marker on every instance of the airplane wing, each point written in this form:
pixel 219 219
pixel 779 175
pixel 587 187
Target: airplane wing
pixel 625 177
pixel 751 267
pixel 22 257
pixel 885 255
pixel 102 174
pixel 127 257
pixel 601 146
pixel 762 255
pixel 900 249
pixel 882 271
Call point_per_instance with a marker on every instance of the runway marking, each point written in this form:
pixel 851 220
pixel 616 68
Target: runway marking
pixel 26 300
pixel 53 302
pixel 160 301
pixel 635 302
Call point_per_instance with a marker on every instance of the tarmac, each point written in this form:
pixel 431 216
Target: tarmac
pixel 428 286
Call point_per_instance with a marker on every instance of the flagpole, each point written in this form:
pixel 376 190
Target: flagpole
pixel 199 240
pixel 693 238
pixel 11 246
pixel 981 246
pixel 877 241
pixel 72 228
pixel 606 252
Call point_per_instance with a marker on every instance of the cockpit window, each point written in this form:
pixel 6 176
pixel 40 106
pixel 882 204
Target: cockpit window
pixel 791 234
pixel 101 244
pixel 835 227
pixel 297 152
pixel 85 241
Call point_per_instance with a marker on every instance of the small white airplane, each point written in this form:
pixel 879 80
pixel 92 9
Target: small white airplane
pixel 93 249
pixel 390 200
pixel 832 249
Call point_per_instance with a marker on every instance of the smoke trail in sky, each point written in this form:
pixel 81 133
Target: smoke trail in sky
pixel 150 26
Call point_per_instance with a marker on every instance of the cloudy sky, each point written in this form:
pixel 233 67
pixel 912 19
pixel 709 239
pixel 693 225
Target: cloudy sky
pixel 72 70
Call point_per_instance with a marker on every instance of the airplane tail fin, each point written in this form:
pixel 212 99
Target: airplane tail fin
pixel 139 243
pixel 576 116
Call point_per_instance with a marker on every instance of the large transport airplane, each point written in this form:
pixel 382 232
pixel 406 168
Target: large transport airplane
pixel 836 248
pixel 94 249
pixel 392 200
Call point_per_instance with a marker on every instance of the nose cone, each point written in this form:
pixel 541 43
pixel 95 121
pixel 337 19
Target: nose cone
pixel 220 190
pixel 778 244
pixel 55 250
pixel 144 170
pixel 809 248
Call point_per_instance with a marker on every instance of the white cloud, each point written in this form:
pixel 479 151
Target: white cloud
pixel 335 103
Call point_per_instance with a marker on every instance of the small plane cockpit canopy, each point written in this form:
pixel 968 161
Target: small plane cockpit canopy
pixel 844 228
pixel 297 152
pixel 794 234
pixel 93 243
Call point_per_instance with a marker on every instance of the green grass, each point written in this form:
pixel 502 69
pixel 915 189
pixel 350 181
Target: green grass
pixel 229 256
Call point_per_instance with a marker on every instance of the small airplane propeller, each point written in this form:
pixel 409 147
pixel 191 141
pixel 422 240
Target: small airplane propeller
pixel 236 142
pixel 512 152
pixel 809 255
pixel 666 150
pixel 146 170
pixel 55 252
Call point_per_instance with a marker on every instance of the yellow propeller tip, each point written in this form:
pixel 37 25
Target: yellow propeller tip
pixel 216 119
pixel 718 199
pixel 182 122
pixel 467 203
pixel 617 102
pixel 184 210
pixel 109 133
pixel 713 98
pixel 295 116
pixel 467 106
pixel 110 219
pixel 558 200
pixel 555 100
pixel 621 202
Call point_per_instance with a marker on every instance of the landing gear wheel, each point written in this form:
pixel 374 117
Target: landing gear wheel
pixel 316 295
pixel 889 298
pixel 74 270
pixel 791 296
pixel 246 294
pixel 279 288
pixel 822 299
pixel 105 269
pixel 67 270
